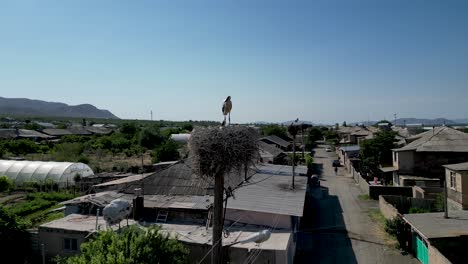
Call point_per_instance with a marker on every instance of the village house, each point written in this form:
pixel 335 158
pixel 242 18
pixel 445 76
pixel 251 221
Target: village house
pixel 456 176
pixel 277 142
pixel 181 202
pixel 347 155
pixel 354 135
pixel 435 239
pixel 271 154
pixel 426 153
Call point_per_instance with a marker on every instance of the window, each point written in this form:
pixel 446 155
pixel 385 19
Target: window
pixel 453 180
pixel 70 244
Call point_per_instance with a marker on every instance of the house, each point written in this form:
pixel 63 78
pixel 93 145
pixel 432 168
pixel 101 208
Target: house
pixel 64 236
pixel 425 153
pixel 354 135
pixel 278 142
pixel 182 202
pixel 14 133
pixel 271 154
pixel 347 154
pixel 456 177
pixel 435 239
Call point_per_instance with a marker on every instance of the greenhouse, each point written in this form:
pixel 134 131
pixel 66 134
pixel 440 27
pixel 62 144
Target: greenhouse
pixel 61 173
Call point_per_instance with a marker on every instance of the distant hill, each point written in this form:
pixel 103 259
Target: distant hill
pixel 426 122
pixel 28 107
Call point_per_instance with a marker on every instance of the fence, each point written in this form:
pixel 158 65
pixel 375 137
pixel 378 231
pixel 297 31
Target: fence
pixel 392 205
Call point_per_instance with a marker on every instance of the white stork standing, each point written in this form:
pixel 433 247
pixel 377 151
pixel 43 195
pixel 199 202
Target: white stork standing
pixel 227 107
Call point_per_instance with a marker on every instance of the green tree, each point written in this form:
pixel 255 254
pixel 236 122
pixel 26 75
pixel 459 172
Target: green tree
pixel 168 151
pixel 275 130
pixel 188 127
pixel 132 246
pixel 6 184
pixel 129 130
pixel 331 136
pixel 314 134
pixel 151 137
pixel 22 146
pixel 14 239
pixel 377 151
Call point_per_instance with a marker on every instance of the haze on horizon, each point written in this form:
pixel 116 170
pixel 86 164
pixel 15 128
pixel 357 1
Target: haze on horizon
pixel 321 61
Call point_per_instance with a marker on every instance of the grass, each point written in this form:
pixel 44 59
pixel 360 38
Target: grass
pixel 364 197
pixel 377 217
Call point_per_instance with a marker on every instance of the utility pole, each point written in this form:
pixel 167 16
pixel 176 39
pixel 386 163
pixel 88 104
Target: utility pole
pixel 151 113
pixel 217 254
pixel 302 136
pixel 292 129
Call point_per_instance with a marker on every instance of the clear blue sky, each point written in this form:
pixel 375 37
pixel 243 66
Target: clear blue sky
pixel 323 61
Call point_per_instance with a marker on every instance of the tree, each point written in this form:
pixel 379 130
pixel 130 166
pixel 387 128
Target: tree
pixel 275 130
pixel 313 135
pixel 344 124
pixel 129 130
pixel 133 245
pixel 188 127
pixel 168 151
pixel 377 151
pixel 331 136
pixel 14 239
pixel 6 184
pixel 151 137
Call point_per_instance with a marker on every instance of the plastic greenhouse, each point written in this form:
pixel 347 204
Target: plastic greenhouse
pixel 61 173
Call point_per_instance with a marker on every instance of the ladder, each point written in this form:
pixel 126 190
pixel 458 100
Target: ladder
pixel 162 216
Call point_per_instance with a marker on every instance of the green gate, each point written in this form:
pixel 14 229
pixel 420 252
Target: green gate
pixel 421 250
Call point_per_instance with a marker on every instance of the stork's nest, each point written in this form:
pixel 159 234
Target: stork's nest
pixel 218 151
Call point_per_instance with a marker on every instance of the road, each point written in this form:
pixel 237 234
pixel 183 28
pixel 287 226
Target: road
pixel 336 228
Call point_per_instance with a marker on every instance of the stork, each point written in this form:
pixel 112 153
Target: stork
pixel 227 107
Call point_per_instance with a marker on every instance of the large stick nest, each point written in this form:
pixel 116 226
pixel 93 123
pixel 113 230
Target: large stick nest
pixel 218 151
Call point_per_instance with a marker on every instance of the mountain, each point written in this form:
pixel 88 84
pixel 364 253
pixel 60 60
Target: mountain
pixel 461 120
pixel 426 122
pixel 28 107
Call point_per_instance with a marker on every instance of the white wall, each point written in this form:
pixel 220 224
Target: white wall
pixel 259 218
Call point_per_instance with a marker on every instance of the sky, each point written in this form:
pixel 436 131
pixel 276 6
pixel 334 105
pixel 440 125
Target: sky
pixel 322 61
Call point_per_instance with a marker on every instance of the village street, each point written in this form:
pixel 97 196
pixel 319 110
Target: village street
pixel 337 228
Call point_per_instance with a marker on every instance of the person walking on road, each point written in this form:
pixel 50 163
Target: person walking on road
pixel 336 170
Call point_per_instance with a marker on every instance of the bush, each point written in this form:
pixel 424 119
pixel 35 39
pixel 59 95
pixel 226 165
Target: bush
pixel 396 227
pixel 168 151
pixel 6 184
pixel 132 245
pixel 416 210
pixel 14 239
pixel 439 204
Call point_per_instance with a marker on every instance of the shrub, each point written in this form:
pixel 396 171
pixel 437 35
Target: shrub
pixel 168 151
pixel 396 227
pixel 6 184
pixel 416 210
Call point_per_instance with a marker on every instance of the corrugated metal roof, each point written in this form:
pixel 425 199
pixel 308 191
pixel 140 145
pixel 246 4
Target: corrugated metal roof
pixel 350 148
pixel 277 140
pixel 269 148
pixel 440 139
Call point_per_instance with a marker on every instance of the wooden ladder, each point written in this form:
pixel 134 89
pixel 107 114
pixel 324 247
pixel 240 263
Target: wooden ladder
pixel 162 216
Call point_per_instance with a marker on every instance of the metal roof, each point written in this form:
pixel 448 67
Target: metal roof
pixel 457 167
pixel 270 193
pixel 277 140
pixel 440 139
pixel 269 148
pixel 434 225
pixel 350 148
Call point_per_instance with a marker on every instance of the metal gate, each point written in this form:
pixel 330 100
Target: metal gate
pixel 421 250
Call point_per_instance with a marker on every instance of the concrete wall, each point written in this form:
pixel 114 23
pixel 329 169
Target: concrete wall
pixel 363 185
pixel 239 255
pixel 53 240
pixel 403 204
pixel 387 210
pixel 375 191
pixel 259 218
pixel 435 257
pixel 460 193
pixel 404 162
